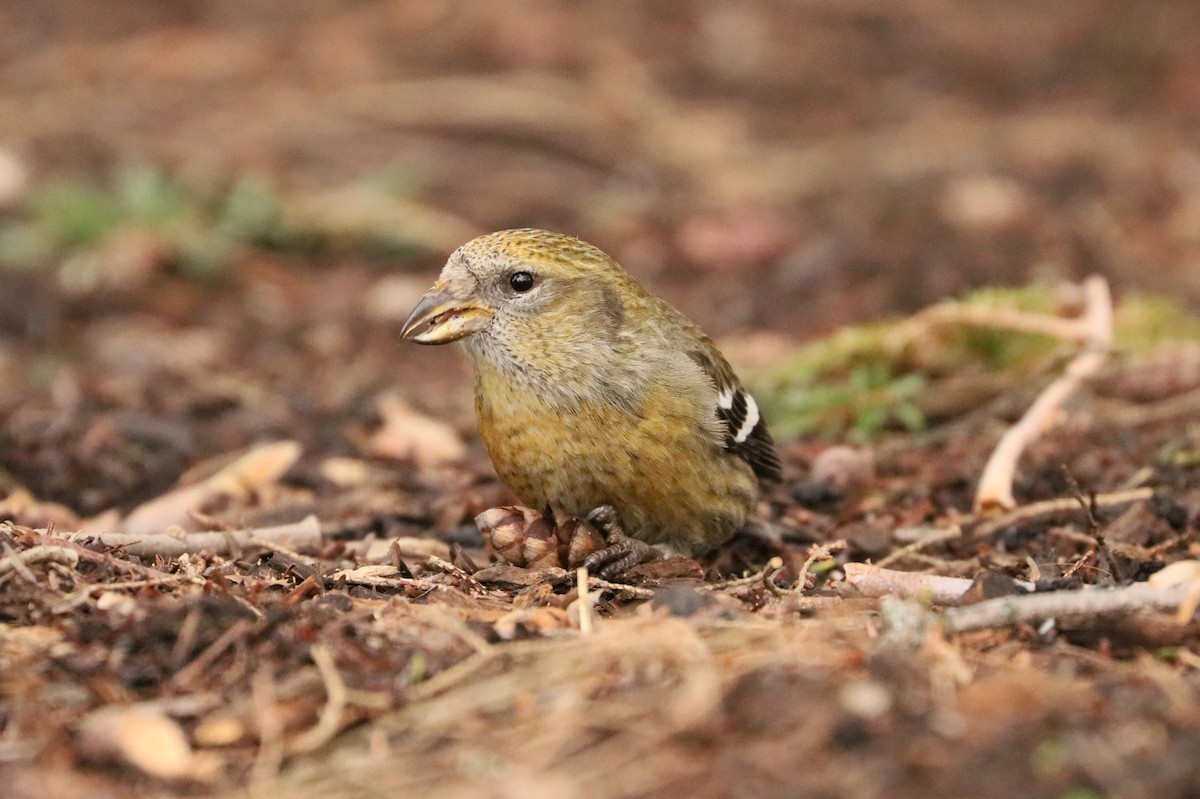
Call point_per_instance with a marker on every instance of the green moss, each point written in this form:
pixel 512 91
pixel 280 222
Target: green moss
pixel 1143 322
pixel 869 378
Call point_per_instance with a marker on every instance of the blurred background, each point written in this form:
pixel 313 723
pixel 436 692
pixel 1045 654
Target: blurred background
pixel 213 213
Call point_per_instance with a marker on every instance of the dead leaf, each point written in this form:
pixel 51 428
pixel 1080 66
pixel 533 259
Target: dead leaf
pixel 1182 572
pixel 345 472
pixel 258 469
pixel 676 567
pixel 23 507
pixel 1177 573
pixel 381 549
pixel 144 738
pixel 504 575
pixel 537 620
pixel 408 435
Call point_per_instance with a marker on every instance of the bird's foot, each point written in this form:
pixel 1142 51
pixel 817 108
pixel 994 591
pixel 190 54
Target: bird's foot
pixel 622 552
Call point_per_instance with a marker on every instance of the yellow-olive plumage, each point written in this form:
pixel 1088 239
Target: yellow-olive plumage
pixel 591 391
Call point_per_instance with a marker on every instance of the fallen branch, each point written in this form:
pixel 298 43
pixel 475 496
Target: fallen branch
pixel 871 581
pixel 995 485
pixel 1085 603
pixel 302 535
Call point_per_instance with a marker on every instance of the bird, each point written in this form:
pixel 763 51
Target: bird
pixel 596 398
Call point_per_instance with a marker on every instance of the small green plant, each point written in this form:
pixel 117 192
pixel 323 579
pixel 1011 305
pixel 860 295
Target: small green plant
pixel 67 223
pixel 86 229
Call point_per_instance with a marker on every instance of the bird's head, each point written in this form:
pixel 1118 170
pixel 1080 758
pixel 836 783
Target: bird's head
pixel 523 293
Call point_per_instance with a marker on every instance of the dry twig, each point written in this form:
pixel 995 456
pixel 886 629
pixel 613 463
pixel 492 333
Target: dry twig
pixel 585 606
pixel 329 723
pixel 45 537
pixel 1140 415
pixel 620 588
pixel 815 553
pixel 995 485
pixel 446 567
pixel 184 677
pixel 1088 504
pixel 20 561
pixel 761 577
pixel 935 536
pixel 1050 506
pixel 269 757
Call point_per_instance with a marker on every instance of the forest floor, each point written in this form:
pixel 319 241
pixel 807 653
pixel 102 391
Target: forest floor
pixel 237 547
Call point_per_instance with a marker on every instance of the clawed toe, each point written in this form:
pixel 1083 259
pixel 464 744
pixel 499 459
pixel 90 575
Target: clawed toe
pixel 606 520
pixel 622 552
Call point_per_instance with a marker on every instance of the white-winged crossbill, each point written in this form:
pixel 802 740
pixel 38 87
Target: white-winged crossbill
pixel 591 392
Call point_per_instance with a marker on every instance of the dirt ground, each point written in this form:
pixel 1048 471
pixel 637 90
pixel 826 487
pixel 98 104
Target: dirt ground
pixel 180 361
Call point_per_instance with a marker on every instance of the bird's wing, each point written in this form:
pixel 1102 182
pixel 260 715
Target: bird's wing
pixel 745 431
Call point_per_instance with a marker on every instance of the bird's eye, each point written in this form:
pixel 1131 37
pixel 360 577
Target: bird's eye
pixel 521 282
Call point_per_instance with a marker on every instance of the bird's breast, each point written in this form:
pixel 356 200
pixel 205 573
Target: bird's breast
pixel 652 459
